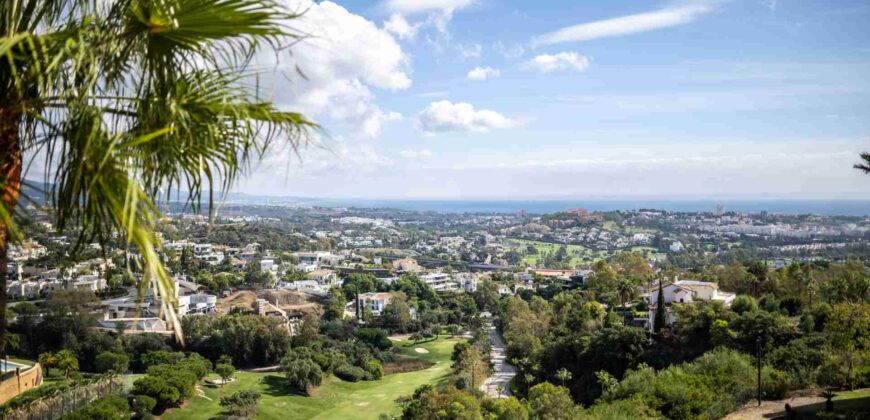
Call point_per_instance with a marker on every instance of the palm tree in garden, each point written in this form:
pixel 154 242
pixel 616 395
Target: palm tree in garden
pixel 123 102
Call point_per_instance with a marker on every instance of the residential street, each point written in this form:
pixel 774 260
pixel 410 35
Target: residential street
pixel 503 372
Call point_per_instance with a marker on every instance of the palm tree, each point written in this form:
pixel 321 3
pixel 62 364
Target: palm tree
pixel 125 102
pixel 67 362
pixel 864 166
pixel 8 342
pixel 48 360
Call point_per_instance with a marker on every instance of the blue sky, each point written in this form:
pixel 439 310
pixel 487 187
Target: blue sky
pixel 490 99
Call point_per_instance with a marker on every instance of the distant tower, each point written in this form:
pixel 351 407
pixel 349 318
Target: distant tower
pixel 719 209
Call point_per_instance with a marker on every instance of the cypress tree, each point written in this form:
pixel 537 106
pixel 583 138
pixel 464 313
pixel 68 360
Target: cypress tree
pixel 659 321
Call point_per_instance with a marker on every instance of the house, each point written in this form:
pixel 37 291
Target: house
pixel 406 265
pixel 90 282
pixel 325 277
pixel 688 291
pixel 268 264
pixel 202 249
pixel 676 246
pixel 375 302
pixel 439 282
pixel 683 291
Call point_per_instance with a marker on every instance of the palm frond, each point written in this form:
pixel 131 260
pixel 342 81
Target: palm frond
pixel 866 165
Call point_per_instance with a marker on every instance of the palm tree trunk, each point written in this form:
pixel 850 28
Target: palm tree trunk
pixel 10 184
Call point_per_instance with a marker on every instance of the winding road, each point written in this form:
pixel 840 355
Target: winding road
pixel 503 371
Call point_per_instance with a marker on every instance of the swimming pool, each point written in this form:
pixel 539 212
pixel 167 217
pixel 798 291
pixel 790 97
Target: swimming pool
pixel 9 366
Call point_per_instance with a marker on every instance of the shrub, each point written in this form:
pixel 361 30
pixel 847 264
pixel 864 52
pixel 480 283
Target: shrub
pixel 242 403
pixel 350 373
pixel 301 371
pixel 374 337
pixel 110 407
pixel 775 384
pixel 143 404
pixel 374 369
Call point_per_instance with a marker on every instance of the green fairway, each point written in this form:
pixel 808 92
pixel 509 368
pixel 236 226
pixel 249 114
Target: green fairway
pixel 334 399
pixel 578 254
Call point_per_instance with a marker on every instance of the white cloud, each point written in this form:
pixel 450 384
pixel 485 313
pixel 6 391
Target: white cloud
pixel 444 116
pixel 410 7
pixel 438 13
pixel 483 73
pixel 343 59
pixel 546 63
pixel 470 50
pixel 512 51
pixel 399 26
pixel 770 4
pixel 625 25
pixel 415 154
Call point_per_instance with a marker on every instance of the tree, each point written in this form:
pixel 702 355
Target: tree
pixel 551 402
pixel 225 371
pixel 127 100
pixel 111 362
pixel 48 360
pixel 849 329
pixel 300 370
pixel 397 314
pixel 563 376
pixel 242 403
pixel 434 404
pixel 67 362
pixel 659 321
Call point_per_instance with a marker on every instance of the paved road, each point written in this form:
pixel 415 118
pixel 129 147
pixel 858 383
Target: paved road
pixel 503 372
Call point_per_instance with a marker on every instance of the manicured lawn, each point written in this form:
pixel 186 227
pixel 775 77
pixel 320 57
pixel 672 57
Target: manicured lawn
pixel 334 399
pixel 577 253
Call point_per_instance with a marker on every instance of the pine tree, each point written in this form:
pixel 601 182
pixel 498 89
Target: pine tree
pixel 659 321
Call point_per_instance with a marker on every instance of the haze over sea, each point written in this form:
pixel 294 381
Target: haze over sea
pixel 782 206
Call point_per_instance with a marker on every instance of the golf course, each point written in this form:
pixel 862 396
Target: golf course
pixel 334 398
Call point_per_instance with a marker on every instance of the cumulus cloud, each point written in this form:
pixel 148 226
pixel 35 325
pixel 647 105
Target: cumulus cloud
pixel 483 73
pixel 546 63
pixel 438 13
pixel 445 116
pixel 399 26
pixel 345 57
pixel 415 154
pixel 625 25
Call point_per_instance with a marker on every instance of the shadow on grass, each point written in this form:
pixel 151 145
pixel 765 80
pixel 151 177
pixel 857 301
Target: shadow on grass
pixel 277 386
pixel 859 406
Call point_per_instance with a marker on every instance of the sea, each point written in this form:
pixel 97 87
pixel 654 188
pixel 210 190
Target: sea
pixel 859 208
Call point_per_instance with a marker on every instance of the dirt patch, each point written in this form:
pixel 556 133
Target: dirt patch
pixel 421 350
pixel 290 301
pixel 406 365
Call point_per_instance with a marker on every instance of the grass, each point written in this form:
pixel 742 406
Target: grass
pixel 578 254
pixel 334 399
pixel 845 402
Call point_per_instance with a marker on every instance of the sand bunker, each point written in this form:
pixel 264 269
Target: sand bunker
pixel 421 350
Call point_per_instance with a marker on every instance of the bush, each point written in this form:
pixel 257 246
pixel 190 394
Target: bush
pixel 143 404
pixel 350 373
pixel 374 369
pixel 775 384
pixel 110 407
pixel 374 337
pixel 242 403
